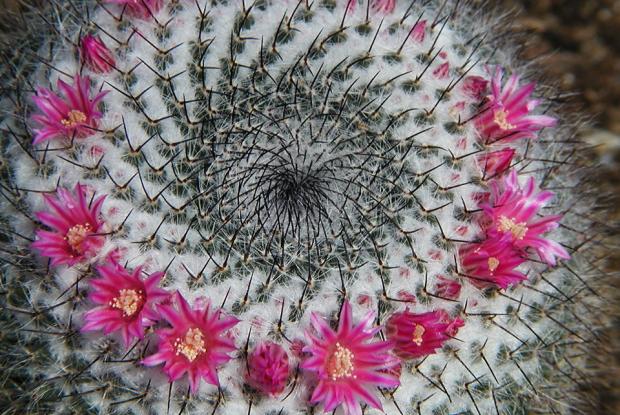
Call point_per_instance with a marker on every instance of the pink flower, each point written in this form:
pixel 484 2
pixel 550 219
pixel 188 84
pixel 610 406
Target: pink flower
pixel 513 213
pixel 351 6
pixel 96 55
pixel 475 87
pixel 406 296
pixel 507 111
pixel 385 6
pixel 140 8
pixel 417 335
pixel 348 363
pixel 447 288
pixel 495 163
pixel 492 263
pixel 126 301
pixel 196 344
pixel 442 71
pixel 418 31
pixel 75 115
pixel 297 347
pixel 76 227
pixel 395 370
pixel 268 368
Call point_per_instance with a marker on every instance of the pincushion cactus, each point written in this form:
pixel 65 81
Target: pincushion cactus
pixel 289 207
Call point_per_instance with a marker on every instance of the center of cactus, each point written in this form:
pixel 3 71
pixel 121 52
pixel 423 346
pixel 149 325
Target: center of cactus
pixel 341 363
pixel 301 175
pixel 128 301
pixel 518 230
pixel 191 345
pixel 76 235
pixel 74 117
pixel 295 192
pixel 286 194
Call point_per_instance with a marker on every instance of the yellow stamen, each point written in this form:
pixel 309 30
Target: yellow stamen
pixel 501 119
pixel 518 230
pixel 341 363
pixel 74 118
pixel 76 235
pixel 418 332
pixel 192 345
pixel 128 301
pixel 493 263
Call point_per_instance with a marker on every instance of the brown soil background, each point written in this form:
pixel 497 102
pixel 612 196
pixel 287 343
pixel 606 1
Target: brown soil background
pixel 582 40
pixel 579 41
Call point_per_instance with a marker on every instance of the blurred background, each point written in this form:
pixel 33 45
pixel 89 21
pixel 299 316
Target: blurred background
pixel 582 41
pixel 577 44
pixel 579 41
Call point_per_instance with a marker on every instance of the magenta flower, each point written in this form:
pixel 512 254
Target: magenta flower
pixel 196 344
pixel 418 335
pixel 351 6
pixel 77 229
pixel 385 6
pixel 96 55
pixel 475 87
pixel 442 71
pixel 75 115
pixel 268 368
pixel 418 31
pixel 495 163
pixel 140 8
pixel 492 263
pixel 507 111
pixel 127 302
pixel 447 288
pixel 513 213
pixel 348 363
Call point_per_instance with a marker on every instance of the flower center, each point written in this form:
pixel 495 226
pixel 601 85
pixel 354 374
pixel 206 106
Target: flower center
pixel 418 332
pixel 501 119
pixel 518 230
pixel 493 263
pixel 128 301
pixel 192 345
pixel 76 235
pixel 340 364
pixel 74 118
